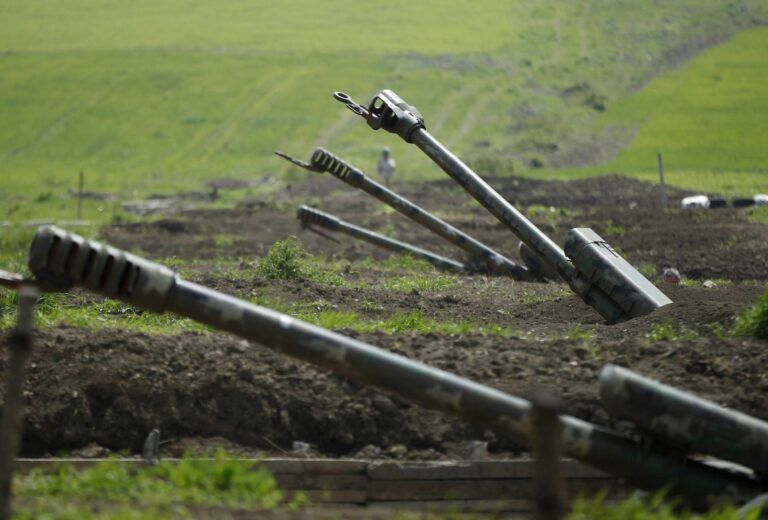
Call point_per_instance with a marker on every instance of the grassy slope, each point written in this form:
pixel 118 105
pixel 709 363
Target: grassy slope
pixel 148 96
pixel 707 119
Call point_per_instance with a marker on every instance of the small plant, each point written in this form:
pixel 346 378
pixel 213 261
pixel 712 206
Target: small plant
pixel 400 263
pixel 648 270
pixel 419 283
pixel 224 240
pixel 283 261
pixel 754 321
pixel 614 230
pixel 655 508
pixel 577 333
pixel 387 230
pixel 371 306
pixel 667 332
pixel 411 321
pixel 758 214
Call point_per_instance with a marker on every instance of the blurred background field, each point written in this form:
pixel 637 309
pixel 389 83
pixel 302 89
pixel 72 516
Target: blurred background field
pixel 154 97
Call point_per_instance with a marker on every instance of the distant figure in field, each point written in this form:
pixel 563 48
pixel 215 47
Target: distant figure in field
pixel 386 166
pixel 671 276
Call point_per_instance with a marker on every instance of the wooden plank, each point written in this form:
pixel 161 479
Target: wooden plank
pixel 418 490
pixel 423 470
pixel 575 469
pixel 335 466
pixel 459 470
pixel 320 482
pixel 506 469
pixel 335 496
pixel 591 486
pixel 457 506
pixel 316 466
pixel 27 465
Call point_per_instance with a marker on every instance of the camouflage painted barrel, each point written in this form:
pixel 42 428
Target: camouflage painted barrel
pixel 59 259
pixel 311 216
pixel 386 110
pixel 684 420
pixel 479 253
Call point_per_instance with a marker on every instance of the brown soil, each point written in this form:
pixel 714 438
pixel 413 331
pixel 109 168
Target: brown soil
pixel 112 388
pixel 701 244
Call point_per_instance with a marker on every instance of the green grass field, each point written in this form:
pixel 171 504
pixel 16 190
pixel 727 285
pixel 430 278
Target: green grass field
pixel 707 119
pixel 159 96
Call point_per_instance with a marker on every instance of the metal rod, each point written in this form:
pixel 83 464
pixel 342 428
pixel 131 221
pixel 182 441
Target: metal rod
pixel 324 161
pixel 311 216
pixel 550 496
pixel 20 343
pixel 10 280
pixel 662 186
pixel 499 207
pixel 523 228
pixel 80 184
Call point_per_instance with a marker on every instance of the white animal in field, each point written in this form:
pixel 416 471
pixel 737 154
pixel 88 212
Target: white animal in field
pixel 761 199
pixel 386 166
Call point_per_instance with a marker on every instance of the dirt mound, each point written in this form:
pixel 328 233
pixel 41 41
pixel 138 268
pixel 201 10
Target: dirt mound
pixel 112 389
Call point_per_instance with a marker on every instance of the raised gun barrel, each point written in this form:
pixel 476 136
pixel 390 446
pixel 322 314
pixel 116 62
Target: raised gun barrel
pixel 324 161
pixel 684 420
pixel 610 285
pixel 60 259
pixel 311 216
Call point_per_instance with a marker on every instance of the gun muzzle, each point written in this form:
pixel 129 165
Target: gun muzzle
pixel 60 260
pixel 684 420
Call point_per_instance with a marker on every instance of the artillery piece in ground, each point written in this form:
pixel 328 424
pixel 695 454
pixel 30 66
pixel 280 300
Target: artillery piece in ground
pixel 60 260
pixel 591 267
pixel 310 217
pixel 482 257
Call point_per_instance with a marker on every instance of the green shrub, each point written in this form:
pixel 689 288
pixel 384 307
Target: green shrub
pixel 754 321
pixel 222 481
pixel 284 261
pixel 655 508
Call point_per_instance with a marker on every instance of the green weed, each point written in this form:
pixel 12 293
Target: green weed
pixel 758 214
pixel 399 263
pixel 668 332
pixel 284 261
pixel 419 283
pixel 648 270
pixel 578 333
pixel 614 230
pixel 656 508
pixel 224 240
pixel 754 321
pixel 55 309
pixel 532 298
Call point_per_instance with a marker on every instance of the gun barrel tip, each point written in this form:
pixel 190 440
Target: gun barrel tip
pixel 341 96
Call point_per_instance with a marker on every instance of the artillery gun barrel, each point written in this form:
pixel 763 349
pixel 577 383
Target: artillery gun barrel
pixel 595 272
pixel 59 259
pixel 324 161
pixel 311 216
pixel 684 420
